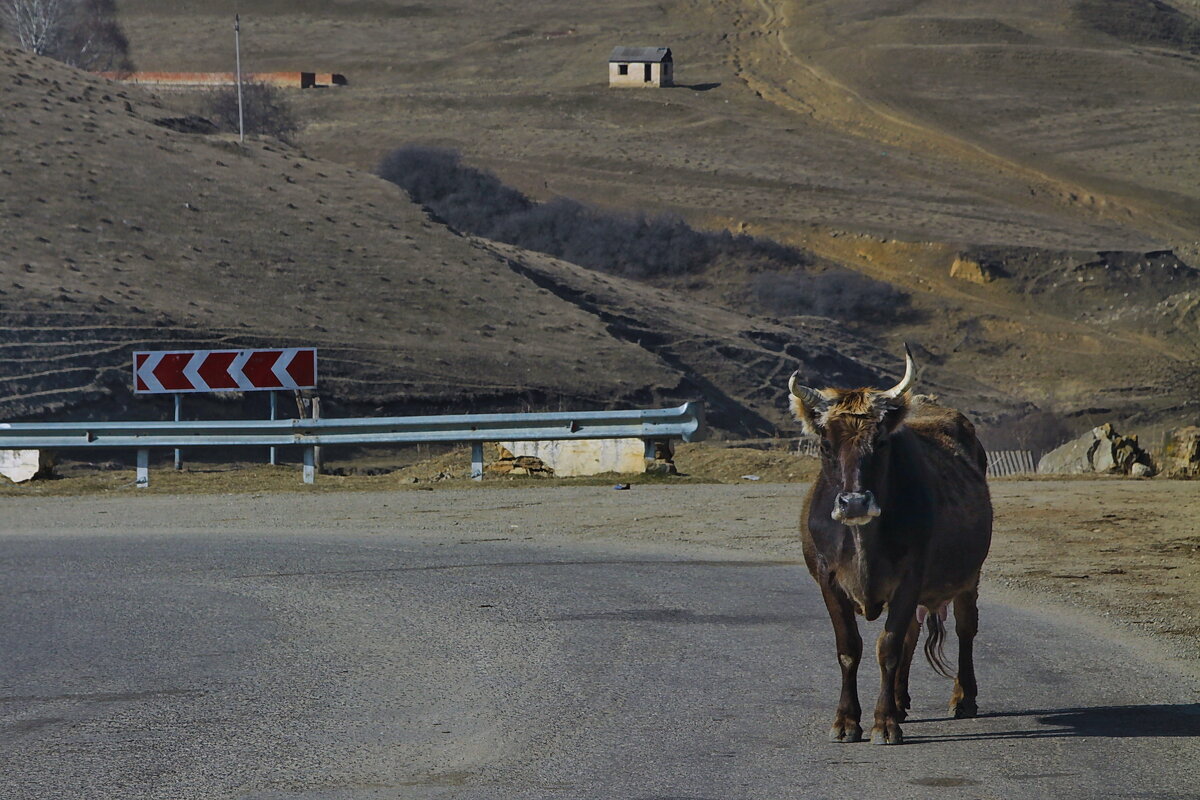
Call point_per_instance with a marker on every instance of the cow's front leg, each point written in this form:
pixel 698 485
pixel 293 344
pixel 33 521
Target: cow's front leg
pixel 890 651
pixel 846 725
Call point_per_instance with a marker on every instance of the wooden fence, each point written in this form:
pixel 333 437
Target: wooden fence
pixel 1003 463
pixel 808 446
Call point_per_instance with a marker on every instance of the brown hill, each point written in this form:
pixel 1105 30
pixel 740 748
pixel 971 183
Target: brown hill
pixel 120 232
pixel 1051 124
pixel 893 137
pixel 1048 141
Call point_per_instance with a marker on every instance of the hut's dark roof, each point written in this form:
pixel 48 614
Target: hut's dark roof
pixel 640 54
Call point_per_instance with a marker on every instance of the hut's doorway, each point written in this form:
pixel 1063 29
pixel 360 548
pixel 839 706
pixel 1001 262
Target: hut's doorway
pixel 647 78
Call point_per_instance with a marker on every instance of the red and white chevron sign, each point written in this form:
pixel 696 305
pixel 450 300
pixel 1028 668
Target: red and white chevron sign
pixel 178 371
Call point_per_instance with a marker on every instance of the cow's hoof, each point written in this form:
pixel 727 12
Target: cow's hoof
pixel 887 734
pixel 964 709
pixel 845 732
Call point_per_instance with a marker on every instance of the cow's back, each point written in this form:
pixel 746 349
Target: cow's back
pixel 948 437
pixel 956 465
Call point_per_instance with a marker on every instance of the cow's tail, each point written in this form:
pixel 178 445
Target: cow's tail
pixel 935 644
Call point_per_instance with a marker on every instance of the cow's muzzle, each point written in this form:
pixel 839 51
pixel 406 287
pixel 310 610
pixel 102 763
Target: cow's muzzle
pixel 855 508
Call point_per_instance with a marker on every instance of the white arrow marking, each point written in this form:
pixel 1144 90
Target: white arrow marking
pixel 146 373
pixel 235 369
pixel 192 370
pixel 281 365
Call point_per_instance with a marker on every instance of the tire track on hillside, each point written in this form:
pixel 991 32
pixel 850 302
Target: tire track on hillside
pixel 839 106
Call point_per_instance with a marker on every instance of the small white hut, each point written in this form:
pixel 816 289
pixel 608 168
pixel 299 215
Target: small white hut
pixel 640 66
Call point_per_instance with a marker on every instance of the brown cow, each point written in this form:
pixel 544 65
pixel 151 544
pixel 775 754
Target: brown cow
pixel 900 517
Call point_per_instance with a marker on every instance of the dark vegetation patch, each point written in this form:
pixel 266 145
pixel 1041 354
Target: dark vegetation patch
pixel 632 245
pixel 787 279
pixel 1142 22
pixel 832 293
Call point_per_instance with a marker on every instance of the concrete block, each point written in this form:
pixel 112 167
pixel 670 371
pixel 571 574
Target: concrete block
pixel 23 465
pixel 574 457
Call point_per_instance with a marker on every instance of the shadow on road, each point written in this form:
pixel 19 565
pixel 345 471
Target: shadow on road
pixel 1182 719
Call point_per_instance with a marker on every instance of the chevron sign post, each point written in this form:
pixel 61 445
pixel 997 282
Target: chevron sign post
pixel 185 371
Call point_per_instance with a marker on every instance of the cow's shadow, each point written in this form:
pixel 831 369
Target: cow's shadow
pixel 1182 719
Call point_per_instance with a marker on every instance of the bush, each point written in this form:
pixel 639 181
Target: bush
pixel 266 110
pixel 634 245
pixel 1039 430
pixel 837 293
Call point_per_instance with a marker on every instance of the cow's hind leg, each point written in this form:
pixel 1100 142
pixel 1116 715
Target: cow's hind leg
pixel 903 700
pixel 846 727
pixel 966 625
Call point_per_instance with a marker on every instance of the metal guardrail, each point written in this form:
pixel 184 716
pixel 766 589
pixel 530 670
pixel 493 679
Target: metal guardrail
pixel 684 422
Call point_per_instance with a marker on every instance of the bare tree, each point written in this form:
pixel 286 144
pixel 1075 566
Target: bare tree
pixel 37 25
pixel 82 33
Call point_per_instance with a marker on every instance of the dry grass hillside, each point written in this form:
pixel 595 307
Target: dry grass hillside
pixel 120 233
pixel 1050 143
pixel 770 124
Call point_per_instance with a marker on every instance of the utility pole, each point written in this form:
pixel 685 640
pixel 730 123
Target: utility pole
pixel 237 48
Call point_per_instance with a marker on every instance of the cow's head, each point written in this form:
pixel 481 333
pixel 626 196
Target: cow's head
pixel 855 426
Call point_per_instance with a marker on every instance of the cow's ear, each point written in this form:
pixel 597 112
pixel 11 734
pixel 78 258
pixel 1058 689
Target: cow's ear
pixel 808 415
pixel 808 405
pixel 893 410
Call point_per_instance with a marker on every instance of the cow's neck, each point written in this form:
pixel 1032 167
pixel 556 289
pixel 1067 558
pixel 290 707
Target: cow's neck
pixel 867 575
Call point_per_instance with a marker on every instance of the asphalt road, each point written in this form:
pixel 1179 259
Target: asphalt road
pixel 498 644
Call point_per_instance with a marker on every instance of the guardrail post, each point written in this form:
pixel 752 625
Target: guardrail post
pixel 660 457
pixel 316 415
pixel 477 461
pixel 143 468
pixel 310 470
pixel 274 411
pixel 178 409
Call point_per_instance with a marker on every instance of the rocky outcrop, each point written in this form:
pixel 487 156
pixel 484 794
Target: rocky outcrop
pixel 1100 450
pixel 967 269
pixel 1181 457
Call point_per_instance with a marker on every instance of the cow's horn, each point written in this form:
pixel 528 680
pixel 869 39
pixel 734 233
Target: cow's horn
pixel 810 397
pixel 910 375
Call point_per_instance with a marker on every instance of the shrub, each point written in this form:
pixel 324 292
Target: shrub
pixel 266 110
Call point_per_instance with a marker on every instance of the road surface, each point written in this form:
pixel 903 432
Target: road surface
pixel 512 644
